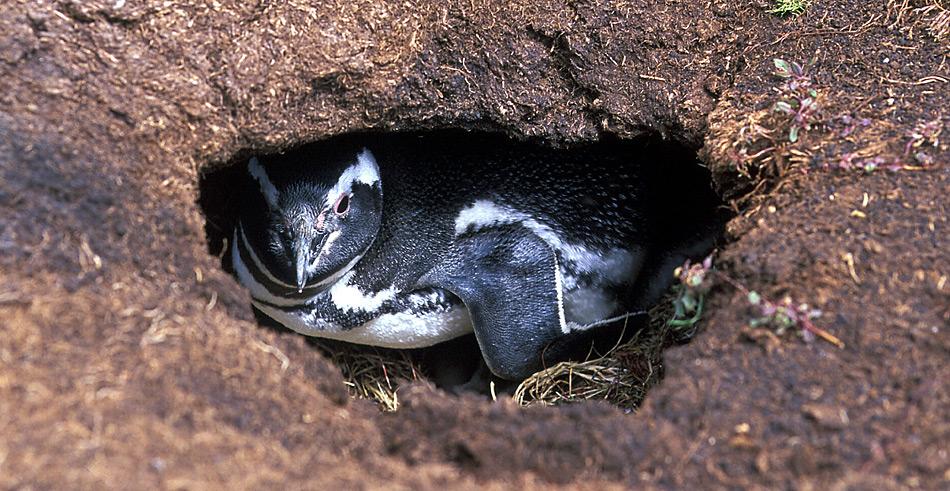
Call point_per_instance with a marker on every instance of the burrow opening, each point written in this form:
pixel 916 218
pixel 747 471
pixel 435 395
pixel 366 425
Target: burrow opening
pixel 618 362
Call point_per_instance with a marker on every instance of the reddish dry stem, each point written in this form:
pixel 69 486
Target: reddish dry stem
pixel 823 334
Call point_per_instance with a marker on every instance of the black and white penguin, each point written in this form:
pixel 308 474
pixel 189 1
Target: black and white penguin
pixel 408 243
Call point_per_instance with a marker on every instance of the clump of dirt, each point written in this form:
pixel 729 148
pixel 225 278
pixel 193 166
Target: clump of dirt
pixel 128 354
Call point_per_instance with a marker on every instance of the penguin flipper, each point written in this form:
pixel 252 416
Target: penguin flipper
pixel 509 279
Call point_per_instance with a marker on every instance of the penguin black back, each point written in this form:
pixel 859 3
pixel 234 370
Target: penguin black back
pixel 527 245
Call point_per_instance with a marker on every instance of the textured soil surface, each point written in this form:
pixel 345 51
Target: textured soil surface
pixel 129 359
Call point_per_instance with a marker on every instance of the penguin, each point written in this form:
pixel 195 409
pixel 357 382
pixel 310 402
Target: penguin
pixel 409 242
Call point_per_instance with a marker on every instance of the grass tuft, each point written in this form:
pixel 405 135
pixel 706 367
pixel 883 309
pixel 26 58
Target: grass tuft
pixel 784 8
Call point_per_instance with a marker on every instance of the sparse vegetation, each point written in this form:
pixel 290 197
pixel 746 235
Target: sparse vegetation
pixel 759 149
pixel 696 281
pixel 919 144
pixel 782 315
pixel 772 141
pixel 925 133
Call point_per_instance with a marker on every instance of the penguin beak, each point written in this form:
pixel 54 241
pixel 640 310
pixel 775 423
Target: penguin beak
pixel 302 255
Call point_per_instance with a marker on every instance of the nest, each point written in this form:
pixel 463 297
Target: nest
pixel 621 376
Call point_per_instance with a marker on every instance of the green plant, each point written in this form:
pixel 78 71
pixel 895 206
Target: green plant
pixel 798 97
pixel 788 7
pixel 690 296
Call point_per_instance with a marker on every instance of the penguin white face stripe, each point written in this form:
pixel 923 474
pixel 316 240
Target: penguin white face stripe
pixel 267 188
pixel 364 171
pixel 258 290
pixel 257 262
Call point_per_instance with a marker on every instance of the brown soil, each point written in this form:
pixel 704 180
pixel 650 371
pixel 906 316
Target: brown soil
pixel 128 356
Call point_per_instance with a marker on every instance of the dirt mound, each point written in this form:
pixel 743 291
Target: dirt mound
pixel 129 356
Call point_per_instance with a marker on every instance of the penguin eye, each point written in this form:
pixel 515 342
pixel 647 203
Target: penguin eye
pixel 342 204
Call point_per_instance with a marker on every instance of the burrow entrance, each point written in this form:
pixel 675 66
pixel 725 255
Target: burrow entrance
pixel 618 362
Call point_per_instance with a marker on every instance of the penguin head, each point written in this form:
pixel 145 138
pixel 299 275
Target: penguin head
pixel 319 221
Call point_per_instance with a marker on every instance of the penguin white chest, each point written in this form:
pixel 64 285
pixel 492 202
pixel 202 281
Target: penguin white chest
pixel 393 330
pixel 412 330
pixel 417 325
pixel 426 318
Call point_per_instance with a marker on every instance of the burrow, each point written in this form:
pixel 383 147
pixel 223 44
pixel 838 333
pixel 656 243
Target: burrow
pixel 681 196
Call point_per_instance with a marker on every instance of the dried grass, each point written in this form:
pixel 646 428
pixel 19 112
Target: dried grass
pixel 373 373
pixel 602 378
pixel 934 15
pixel 938 14
pixel 622 376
